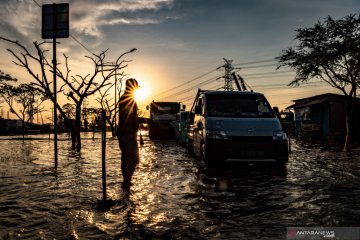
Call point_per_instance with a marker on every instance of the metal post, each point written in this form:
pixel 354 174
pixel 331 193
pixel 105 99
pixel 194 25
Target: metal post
pixel 54 82
pixel 103 148
pixel 115 106
pixel 237 82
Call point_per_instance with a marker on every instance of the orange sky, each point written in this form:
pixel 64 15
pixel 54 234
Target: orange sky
pixel 179 41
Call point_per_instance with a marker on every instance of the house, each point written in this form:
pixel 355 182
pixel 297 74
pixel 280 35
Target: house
pixel 10 126
pixel 325 115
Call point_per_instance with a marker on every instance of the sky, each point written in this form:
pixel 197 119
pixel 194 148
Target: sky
pixel 180 43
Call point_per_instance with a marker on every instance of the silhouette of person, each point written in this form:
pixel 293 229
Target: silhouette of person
pixel 127 131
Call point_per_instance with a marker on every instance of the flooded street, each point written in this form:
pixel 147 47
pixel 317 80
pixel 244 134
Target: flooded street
pixel 173 195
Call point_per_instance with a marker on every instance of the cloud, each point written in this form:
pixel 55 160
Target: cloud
pixel 123 21
pixel 20 19
pixel 88 17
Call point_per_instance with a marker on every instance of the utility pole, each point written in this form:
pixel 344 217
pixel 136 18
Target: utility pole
pixel 228 77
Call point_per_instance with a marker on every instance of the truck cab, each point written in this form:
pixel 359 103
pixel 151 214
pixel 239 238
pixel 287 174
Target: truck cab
pixel 162 114
pixel 235 126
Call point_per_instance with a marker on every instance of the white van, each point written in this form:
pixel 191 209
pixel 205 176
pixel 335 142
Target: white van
pixel 235 126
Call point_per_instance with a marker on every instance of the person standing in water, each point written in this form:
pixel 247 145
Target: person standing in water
pixel 127 131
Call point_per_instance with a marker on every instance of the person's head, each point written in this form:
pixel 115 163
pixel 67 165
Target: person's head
pixel 131 85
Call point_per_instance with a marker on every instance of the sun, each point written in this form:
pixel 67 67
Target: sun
pixel 141 94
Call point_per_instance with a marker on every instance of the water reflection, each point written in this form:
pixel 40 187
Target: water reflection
pixel 174 196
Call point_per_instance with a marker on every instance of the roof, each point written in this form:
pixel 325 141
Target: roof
pixel 232 92
pixel 307 103
pixel 317 99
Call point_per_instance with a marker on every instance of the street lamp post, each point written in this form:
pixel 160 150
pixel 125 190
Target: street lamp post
pixel 117 64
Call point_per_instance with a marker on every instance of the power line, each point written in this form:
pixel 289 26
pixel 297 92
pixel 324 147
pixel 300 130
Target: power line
pixel 190 88
pixel 266 73
pixel 207 73
pixel 86 48
pixel 259 66
pixel 194 79
pixel 197 86
pixel 219 85
pixel 37 3
pixel 270 76
pixel 255 62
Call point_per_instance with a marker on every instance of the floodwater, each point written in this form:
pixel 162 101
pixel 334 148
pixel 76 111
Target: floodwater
pixel 173 195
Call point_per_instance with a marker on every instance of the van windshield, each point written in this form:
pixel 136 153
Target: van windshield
pixel 236 105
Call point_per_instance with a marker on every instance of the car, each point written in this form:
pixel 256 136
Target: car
pixel 236 126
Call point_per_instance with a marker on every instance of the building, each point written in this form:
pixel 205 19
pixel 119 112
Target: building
pixel 10 126
pixel 325 115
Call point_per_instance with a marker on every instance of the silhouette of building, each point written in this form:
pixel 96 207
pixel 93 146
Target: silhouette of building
pixel 325 115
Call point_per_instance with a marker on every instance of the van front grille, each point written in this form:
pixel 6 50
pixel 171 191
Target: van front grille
pixel 251 138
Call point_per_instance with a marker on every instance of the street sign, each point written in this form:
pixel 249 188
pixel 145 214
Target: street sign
pixel 55 21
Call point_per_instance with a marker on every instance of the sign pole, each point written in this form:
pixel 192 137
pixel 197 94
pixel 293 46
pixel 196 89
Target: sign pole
pixel 55 24
pixel 55 89
pixel 103 152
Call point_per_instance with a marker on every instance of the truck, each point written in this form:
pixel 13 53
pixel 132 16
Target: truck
pixel 236 126
pixel 162 114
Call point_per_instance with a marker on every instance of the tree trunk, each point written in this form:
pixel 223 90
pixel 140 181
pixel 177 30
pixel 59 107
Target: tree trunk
pixel 23 130
pixel 112 127
pixel 347 145
pixel 78 127
pixel 73 137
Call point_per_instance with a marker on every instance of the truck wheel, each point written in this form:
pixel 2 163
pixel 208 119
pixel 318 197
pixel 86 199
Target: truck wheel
pixel 151 133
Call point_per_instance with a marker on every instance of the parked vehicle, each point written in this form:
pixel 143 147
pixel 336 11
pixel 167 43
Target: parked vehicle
pixel 235 126
pixel 181 126
pixel 287 120
pixel 161 116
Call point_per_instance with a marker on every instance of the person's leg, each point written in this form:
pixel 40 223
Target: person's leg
pixel 129 157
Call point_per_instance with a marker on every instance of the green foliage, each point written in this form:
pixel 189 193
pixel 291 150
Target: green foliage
pixel 329 51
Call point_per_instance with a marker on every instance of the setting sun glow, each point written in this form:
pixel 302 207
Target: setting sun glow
pixel 141 94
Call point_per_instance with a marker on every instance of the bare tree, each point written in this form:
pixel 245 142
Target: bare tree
pixel 109 105
pixel 76 87
pixel 23 102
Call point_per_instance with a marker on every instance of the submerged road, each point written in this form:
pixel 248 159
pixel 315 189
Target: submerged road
pixel 174 196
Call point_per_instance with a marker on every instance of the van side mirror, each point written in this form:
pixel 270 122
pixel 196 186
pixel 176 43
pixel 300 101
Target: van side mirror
pixel 147 107
pixel 198 109
pixel 276 110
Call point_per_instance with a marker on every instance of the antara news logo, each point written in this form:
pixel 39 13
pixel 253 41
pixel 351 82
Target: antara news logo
pixel 310 234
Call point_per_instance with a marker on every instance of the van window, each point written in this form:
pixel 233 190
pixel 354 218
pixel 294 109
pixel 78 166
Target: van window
pixel 237 105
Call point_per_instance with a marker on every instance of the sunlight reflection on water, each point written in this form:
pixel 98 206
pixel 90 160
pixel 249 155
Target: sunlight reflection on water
pixel 173 194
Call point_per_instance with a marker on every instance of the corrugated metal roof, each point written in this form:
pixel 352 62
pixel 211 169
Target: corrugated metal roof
pixel 308 103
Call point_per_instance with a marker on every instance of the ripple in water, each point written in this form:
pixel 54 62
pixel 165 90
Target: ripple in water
pixel 173 195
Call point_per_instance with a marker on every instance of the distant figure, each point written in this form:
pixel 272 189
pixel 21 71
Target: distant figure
pixel 127 131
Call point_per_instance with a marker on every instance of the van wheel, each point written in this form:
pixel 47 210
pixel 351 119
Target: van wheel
pixel 189 147
pixel 281 163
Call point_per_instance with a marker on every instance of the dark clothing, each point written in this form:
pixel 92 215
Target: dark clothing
pixel 126 133
pixel 128 119
pixel 129 156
